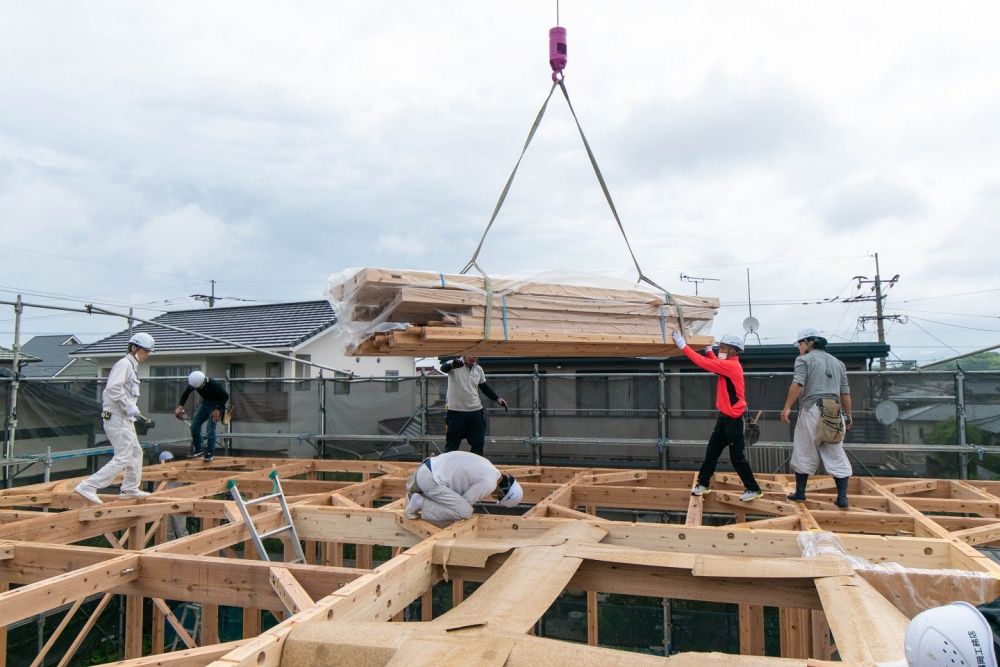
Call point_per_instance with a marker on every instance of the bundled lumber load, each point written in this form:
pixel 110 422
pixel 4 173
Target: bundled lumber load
pixel 387 312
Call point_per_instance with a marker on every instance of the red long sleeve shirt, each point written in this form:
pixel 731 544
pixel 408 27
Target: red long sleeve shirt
pixel 730 392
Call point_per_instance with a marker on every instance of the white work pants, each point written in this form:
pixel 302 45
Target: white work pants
pixel 128 456
pixel 442 505
pixel 807 452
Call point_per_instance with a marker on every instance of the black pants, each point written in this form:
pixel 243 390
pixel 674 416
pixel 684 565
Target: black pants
pixel 728 432
pixel 468 425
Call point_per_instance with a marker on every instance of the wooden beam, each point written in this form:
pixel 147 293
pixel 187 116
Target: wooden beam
pixel 161 606
pixel 872 630
pixel 751 629
pixel 32 599
pixel 193 657
pixel 517 595
pixel 292 595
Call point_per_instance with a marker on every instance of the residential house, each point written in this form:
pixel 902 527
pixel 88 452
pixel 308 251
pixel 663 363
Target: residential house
pixel 270 395
pixel 54 360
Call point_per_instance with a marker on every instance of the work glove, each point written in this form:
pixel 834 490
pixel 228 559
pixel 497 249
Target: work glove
pixel 678 340
pixel 502 401
pixel 132 411
pixel 215 415
pixel 179 412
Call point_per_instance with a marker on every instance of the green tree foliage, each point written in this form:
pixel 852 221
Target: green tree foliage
pixel 984 361
pixel 945 465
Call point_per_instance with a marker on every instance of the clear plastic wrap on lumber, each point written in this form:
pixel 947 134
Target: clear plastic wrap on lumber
pixel 392 312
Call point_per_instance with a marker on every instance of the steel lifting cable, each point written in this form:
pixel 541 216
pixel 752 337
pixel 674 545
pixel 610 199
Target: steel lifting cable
pixel 557 59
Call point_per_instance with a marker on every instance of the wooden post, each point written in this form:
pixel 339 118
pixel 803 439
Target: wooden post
pixel 592 618
pixel 3 633
pixel 592 614
pixel 822 641
pixel 158 628
pixel 457 592
pixel 309 546
pixel 133 603
pixel 251 616
pixel 210 612
pixel 426 606
pixel 751 629
pixel 796 633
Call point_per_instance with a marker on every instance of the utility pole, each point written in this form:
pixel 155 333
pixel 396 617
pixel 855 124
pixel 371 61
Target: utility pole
pixel 208 298
pixel 879 298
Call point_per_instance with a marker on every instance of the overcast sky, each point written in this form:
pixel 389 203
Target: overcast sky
pixel 147 148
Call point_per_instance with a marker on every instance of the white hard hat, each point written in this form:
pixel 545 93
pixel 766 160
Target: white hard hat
pixel 196 379
pixel 513 496
pixel 143 340
pixel 732 340
pixel 955 634
pixel 166 456
pixel 808 333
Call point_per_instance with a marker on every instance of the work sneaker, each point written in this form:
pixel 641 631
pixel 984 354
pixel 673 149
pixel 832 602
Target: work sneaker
pixel 88 492
pixel 700 490
pixel 413 505
pixel 749 495
pixel 134 493
pixel 208 458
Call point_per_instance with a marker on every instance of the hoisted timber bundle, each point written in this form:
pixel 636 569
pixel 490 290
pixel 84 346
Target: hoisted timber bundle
pixel 387 312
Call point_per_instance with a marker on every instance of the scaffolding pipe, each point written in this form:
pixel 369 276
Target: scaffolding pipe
pixel 921 367
pixel 90 309
pixel 15 368
pixel 960 425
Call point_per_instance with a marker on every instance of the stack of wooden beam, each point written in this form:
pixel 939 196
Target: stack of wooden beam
pixel 421 313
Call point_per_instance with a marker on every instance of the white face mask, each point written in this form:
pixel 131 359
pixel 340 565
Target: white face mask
pixel 723 355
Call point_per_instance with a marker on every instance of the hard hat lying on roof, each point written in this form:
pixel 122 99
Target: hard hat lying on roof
pixel 166 456
pixel 955 634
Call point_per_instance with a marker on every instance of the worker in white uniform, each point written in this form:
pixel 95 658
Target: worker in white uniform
pixel 120 414
pixel 954 634
pixel 443 488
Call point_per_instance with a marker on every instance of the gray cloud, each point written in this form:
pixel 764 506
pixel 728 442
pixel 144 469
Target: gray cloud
pixel 853 207
pixel 722 126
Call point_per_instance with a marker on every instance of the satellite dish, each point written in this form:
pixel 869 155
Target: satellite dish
pixel 886 412
pixel 751 325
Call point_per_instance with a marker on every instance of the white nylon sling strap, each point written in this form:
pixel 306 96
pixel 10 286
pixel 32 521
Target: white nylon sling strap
pixel 604 187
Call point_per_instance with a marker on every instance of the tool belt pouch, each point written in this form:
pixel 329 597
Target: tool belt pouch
pixel 751 430
pixel 831 427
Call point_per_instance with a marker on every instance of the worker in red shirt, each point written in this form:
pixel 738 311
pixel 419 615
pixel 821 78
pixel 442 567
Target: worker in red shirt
pixel 730 399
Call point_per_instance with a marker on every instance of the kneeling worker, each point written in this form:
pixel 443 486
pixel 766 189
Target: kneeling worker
pixel 444 487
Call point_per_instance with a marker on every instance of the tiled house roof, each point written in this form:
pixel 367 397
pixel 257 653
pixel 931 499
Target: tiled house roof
pixel 273 326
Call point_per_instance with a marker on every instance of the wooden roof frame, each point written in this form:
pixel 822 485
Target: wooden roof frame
pixel 928 527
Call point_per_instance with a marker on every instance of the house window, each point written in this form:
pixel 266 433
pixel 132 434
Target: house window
pixel 272 371
pixel 164 393
pixel 237 371
pixel 341 383
pixel 392 382
pixel 302 373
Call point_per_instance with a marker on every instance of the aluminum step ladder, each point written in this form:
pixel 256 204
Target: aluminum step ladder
pixel 195 610
pixel 287 527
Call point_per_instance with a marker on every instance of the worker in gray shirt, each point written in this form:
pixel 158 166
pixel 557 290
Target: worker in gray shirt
pixel 466 417
pixel 819 384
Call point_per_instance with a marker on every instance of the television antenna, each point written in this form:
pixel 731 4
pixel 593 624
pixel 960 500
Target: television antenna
pixel 751 325
pixel 697 281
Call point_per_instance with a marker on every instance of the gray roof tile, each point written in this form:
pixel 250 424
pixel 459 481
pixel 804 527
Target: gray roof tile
pixel 272 326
